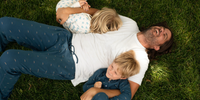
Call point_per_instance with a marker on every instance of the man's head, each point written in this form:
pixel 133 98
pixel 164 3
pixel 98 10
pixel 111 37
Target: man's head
pixel 156 36
pixel 159 39
pixel 124 66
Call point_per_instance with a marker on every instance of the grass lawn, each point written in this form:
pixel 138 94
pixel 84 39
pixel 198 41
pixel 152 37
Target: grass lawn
pixel 172 76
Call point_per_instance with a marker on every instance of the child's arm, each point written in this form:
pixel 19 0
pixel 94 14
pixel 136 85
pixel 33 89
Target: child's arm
pixel 91 81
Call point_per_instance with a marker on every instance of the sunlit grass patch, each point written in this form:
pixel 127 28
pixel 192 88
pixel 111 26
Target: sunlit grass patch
pixel 159 73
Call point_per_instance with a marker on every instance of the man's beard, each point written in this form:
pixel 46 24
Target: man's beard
pixel 149 37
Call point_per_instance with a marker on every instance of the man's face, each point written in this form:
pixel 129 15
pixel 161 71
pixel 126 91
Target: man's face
pixel 156 36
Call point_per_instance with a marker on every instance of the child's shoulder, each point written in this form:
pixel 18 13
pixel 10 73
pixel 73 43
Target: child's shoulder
pixel 101 70
pixel 124 82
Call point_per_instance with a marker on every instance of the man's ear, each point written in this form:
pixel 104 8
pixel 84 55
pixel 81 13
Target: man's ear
pixel 156 48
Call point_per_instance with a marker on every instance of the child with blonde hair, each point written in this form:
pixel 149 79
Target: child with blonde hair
pixel 115 77
pixel 102 21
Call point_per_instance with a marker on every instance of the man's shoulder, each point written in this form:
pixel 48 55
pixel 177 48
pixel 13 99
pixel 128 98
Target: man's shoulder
pixel 141 54
pixel 129 23
pixel 142 57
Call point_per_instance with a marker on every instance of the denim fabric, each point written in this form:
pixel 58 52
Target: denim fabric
pixel 51 55
pixel 100 96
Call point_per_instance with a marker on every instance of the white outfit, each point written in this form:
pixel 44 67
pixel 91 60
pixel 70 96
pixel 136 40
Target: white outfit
pixel 96 51
pixel 76 23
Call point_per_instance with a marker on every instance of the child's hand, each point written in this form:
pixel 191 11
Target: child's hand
pixel 98 84
pixel 84 5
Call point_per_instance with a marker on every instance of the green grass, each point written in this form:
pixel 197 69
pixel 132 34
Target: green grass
pixel 173 76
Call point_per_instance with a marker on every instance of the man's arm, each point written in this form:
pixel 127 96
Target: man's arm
pixel 125 90
pixel 63 13
pixel 90 93
pixel 134 87
pixel 112 93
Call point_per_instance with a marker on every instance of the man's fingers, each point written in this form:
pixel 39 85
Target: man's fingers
pixel 82 3
pixel 62 22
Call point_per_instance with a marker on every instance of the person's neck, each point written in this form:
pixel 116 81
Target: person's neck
pixel 141 39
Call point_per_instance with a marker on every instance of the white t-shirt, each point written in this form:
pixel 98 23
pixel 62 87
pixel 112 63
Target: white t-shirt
pixel 96 51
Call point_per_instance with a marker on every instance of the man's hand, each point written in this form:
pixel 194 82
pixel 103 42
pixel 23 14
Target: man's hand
pixel 89 94
pixel 98 84
pixel 84 5
pixel 82 2
pixel 62 15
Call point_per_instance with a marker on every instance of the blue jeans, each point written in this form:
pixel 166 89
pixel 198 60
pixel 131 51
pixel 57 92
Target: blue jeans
pixel 51 56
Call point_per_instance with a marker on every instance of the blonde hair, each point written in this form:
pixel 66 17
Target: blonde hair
pixel 127 64
pixel 105 20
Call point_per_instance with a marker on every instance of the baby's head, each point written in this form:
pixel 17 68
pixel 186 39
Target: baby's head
pixel 124 66
pixel 105 20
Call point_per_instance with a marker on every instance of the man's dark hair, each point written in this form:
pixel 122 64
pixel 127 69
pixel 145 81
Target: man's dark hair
pixel 165 48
